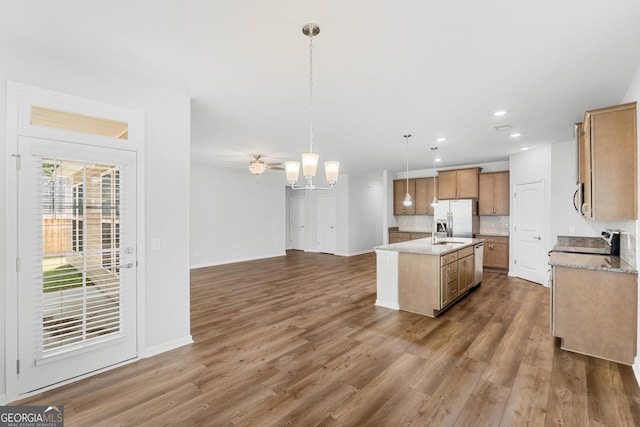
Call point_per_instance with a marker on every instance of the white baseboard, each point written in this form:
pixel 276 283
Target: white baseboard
pixel 387 304
pixel 366 251
pixel 636 370
pixel 152 351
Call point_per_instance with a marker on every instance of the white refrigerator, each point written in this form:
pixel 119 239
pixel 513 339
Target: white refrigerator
pixel 460 216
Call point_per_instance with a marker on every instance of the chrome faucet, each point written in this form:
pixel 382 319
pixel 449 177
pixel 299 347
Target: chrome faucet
pixel 434 229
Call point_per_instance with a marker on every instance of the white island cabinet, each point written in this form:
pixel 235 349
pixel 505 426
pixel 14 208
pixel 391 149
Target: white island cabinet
pixel 424 277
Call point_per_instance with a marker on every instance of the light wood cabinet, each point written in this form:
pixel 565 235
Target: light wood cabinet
pixel 607 163
pixel 594 312
pixel 465 269
pixel 458 184
pixel 424 188
pixel 399 191
pixel 404 236
pixel 428 284
pixel 494 193
pixel 399 236
pixel 495 252
pixel 449 281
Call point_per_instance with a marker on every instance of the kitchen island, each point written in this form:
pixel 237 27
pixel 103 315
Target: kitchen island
pixel 424 277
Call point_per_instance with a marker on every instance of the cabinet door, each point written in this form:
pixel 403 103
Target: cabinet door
pixel 467 181
pixel 501 193
pixel 444 286
pixel 500 255
pixel 399 190
pixel 422 202
pixel 424 195
pixel 447 185
pixel 487 255
pixel 613 151
pixel 465 274
pixel 485 201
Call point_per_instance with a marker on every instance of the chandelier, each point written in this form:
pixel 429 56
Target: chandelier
pixel 310 159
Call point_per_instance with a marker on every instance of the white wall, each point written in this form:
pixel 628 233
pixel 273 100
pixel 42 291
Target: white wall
pixel 359 212
pixel 167 179
pixel 235 216
pixel 365 207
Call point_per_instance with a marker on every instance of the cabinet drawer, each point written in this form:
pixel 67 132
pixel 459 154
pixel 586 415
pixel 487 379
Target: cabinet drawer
pixel 465 252
pixel 448 258
pixel 493 239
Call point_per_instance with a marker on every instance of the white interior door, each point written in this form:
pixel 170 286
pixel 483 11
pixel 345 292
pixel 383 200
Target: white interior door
pixel 327 223
pixel 297 222
pixel 77 257
pixel 530 255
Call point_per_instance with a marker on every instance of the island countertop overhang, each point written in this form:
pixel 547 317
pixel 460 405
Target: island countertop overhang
pixel 425 246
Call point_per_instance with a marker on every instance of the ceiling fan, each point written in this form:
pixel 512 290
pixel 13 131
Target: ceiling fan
pixel 258 166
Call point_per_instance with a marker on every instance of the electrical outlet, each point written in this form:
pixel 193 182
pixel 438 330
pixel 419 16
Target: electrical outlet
pixel 572 230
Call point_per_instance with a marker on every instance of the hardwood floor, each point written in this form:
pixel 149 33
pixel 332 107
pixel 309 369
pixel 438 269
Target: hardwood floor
pixel 297 340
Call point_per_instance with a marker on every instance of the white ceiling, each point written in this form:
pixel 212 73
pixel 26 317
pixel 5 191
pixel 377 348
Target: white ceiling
pixel 381 69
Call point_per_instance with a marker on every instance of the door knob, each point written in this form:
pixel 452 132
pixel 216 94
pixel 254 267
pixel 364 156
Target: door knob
pixel 538 238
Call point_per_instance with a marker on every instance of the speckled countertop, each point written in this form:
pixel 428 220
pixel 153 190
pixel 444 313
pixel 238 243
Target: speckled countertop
pixel 591 262
pixel 425 246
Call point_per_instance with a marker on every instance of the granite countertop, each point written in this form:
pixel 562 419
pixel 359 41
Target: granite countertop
pixel 425 247
pixel 591 262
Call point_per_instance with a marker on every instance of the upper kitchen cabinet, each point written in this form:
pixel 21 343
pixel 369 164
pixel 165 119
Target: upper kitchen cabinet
pixel 425 189
pixel 399 190
pixel 458 184
pixel 607 164
pixel 494 193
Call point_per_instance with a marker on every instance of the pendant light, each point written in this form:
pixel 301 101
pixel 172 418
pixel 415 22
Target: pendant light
pixel 434 201
pixel 407 197
pixel 310 159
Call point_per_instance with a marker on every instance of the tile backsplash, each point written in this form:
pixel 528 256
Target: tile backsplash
pixel 418 223
pixel 496 225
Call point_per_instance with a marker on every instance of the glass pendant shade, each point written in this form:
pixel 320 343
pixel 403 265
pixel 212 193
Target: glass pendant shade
pixel 257 167
pixel 434 201
pixel 309 164
pixel 331 171
pixel 292 170
pixel 407 200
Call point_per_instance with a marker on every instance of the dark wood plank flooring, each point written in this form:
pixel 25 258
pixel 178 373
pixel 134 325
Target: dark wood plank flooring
pixel 297 340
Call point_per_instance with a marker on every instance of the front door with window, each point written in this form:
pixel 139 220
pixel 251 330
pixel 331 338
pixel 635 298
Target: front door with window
pixel 77 260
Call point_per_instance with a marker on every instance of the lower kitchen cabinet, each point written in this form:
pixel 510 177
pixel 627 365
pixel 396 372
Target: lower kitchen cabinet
pixel 594 312
pixel 496 251
pixel 403 236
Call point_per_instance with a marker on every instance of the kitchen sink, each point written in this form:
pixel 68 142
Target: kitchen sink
pixel 448 243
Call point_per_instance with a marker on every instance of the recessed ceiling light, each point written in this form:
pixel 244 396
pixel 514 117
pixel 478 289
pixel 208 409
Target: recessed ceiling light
pixel 437 159
pixel 515 135
pixel 502 127
pixel 441 139
pixel 524 148
pixel 500 113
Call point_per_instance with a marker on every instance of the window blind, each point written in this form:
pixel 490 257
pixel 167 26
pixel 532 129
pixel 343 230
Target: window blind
pixel 78 289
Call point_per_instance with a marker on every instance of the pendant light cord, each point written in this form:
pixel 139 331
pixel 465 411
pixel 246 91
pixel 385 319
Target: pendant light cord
pixel 311 91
